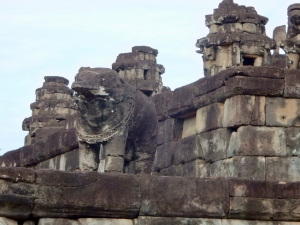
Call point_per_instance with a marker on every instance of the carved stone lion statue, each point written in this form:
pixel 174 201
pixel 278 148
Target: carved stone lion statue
pixel 116 123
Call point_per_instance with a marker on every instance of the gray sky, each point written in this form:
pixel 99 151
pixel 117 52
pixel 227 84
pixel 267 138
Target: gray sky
pixel 55 38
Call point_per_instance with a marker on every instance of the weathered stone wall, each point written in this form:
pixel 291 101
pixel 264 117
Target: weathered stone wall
pixel 243 122
pixel 43 195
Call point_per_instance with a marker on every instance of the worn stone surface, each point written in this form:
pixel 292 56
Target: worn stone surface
pixel 52 221
pixel 162 104
pixel 283 169
pixel 57 192
pixel 17 174
pixel 208 84
pixel 283 112
pixel 182 102
pixel 123 115
pixel 96 221
pixel 244 110
pixel 187 149
pixel 257 208
pixel 68 161
pixel 15 206
pixel 7 221
pixel 219 95
pixel 164 156
pixel 184 197
pixel 292 83
pixel 252 71
pixel 258 141
pixel 293 141
pixel 189 127
pixel 195 168
pixel 214 144
pixel 145 220
pixel 209 117
pixel 254 86
pixel 247 167
pixel 264 189
pixel 169 130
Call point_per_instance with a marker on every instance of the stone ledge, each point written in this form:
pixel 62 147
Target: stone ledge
pixel 74 195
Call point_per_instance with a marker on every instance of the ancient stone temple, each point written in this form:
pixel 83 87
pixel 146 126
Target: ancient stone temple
pixel 222 150
pixel 140 69
pixel 51 111
pixel 237 37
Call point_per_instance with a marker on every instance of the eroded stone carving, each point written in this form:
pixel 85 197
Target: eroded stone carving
pixel 139 68
pixel 51 109
pixel 292 43
pixel 116 123
pixel 237 37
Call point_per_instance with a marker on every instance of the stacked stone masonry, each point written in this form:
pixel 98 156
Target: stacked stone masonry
pixel 47 197
pixel 242 122
pixel 140 69
pixel 226 148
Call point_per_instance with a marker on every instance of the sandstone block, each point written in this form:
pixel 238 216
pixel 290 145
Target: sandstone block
pixel 283 112
pixel 96 221
pixel 161 102
pixel 283 169
pixel 114 164
pixel 264 189
pixel 196 199
pixel 209 118
pixel 264 209
pixel 254 86
pixel 15 206
pixel 6 221
pixel 293 141
pixel 69 140
pixel 11 159
pixel 258 141
pixel 208 84
pixel 251 222
pixel 248 188
pixel 27 156
pixel 169 130
pixel 187 149
pixel 196 168
pixel 292 83
pixel 214 144
pixel 252 71
pixel 189 127
pixel 254 208
pixel 17 174
pixel 239 166
pixel 164 156
pixel 181 105
pixel 52 221
pixel 219 95
pixel 244 110
pixel 145 220
pixel 250 27
pixel 58 192
pixel 68 161
pixel 175 170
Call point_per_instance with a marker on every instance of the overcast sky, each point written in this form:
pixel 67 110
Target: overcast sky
pixel 56 37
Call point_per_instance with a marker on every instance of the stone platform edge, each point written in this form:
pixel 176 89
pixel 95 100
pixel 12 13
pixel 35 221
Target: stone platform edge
pixel 33 194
